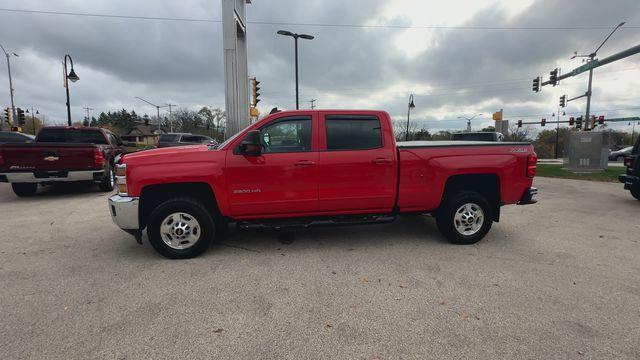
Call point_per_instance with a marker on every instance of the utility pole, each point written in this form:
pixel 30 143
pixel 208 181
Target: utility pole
pixel 88 114
pixel 8 55
pixel 171 116
pixel 312 101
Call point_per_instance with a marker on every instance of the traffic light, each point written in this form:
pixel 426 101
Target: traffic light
pixel 563 101
pixel 255 95
pixel 592 122
pixel 579 122
pixel 601 120
pixel 8 116
pixel 536 84
pixel 543 122
pixel 519 123
pixel 553 77
pixel 21 118
pixel 572 121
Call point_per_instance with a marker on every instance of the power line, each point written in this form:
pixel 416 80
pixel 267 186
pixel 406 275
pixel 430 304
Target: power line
pixel 327 25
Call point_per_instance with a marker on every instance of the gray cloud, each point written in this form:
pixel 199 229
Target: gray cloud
pixel 181 62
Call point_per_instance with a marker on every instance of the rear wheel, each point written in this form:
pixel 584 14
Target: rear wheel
pixel 465 218
pixel 108 181
pixel 24 189
pixel 180 228
pixel 636 192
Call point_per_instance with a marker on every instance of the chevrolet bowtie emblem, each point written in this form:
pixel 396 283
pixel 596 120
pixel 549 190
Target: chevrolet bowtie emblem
pixel 51 158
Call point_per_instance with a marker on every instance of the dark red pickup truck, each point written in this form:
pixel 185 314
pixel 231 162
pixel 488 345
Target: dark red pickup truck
pixel 61 154
pixel 319 167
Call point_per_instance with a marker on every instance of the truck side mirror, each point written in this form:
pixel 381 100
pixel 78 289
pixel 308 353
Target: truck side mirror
pixel 251 145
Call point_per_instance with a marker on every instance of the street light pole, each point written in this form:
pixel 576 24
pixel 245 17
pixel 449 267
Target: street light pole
pixel 469 120
pixel 295 37
pixel 69 76
pixel 8 55
pixel 410 106
pixel 156 106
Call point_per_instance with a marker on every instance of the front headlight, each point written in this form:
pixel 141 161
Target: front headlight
pixel 121 179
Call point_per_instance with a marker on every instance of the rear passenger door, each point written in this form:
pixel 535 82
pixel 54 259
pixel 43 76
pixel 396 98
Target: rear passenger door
pixel 357 164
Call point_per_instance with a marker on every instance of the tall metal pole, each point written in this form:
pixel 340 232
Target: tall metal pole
pixel 69 76
pixel 557 135
pixel 410 105
pixel 586 122
pixel 297 94
pixel 33 121
pixel 13 107
pixel 406 133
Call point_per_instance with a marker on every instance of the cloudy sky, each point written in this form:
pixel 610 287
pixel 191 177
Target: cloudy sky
pixel 458 57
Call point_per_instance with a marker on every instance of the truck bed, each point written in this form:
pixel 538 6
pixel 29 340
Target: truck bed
pixel 447 143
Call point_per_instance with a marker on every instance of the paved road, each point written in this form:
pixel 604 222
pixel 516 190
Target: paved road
pixel 557 280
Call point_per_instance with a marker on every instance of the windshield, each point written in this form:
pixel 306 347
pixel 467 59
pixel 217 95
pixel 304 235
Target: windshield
pixel 224 143
pixel 71 136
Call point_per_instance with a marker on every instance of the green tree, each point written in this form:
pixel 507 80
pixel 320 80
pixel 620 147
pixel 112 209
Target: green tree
pixel 545 142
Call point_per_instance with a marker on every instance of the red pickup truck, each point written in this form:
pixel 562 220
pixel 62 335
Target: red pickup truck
pixel 61 154
pixel 319 167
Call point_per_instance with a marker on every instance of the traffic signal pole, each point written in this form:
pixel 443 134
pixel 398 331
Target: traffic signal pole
pixel 591 64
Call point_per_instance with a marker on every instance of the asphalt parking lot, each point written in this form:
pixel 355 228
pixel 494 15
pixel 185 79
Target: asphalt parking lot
pixel 555 280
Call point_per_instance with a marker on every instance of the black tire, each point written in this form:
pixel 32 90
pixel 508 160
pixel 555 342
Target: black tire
pixel 636 192
pixel 108 180
pixel 192 208
pixel 445 217
pixel 24 189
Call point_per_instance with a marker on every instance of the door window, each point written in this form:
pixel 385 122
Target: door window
pixel 287 135
pixel 353 133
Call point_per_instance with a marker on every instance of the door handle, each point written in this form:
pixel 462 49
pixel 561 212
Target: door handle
pixel 303 163
pixel 381 161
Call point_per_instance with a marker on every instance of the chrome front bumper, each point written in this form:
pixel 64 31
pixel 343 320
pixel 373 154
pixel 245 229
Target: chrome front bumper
pixel 124 212
pixel 52 176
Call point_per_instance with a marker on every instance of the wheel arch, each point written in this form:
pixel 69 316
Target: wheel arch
pixel 487 185
pixel 153 195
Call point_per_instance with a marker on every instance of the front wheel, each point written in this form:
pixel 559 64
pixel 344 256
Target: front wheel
pixel 465 218
pixel 24 189
pixel 108 180
pixel 180 228
pixel 636 192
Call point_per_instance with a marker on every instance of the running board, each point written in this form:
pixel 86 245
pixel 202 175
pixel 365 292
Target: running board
pixel 279 224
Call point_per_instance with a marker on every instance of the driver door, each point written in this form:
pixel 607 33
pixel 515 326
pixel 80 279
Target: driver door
pixel 283 180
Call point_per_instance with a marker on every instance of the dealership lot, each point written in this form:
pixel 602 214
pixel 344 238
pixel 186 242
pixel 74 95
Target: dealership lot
pixel 559 279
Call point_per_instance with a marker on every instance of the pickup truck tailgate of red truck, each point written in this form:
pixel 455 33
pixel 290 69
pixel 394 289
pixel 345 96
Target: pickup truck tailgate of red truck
pixel 49 157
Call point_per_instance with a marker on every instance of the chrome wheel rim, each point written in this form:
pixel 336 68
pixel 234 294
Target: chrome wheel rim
pixel 468 219
pixel 180 230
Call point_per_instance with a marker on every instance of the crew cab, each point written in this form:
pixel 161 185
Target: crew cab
pixel 631 179
pixel 61 154
pixel 318 167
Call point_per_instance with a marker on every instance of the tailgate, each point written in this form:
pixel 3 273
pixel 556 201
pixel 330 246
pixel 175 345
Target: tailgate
pixel 49 157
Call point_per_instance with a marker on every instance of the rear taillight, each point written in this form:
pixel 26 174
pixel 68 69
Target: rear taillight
pixel 628 161
pixel 98 157
pixel 532 160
